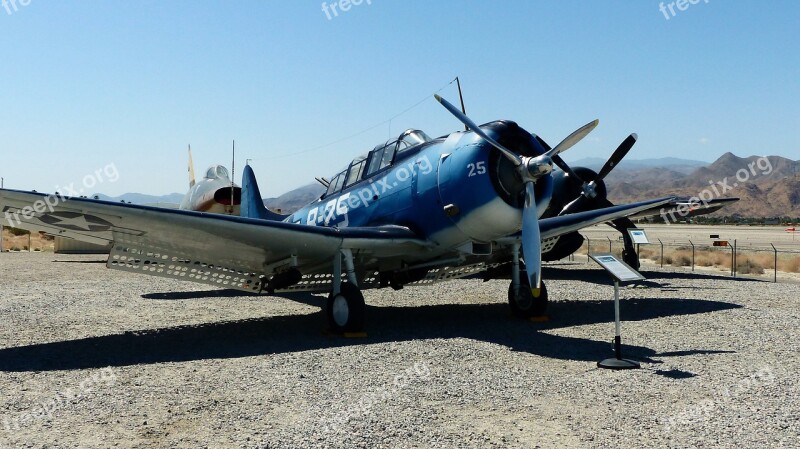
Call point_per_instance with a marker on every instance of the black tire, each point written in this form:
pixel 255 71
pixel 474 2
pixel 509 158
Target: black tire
pixel 346 311
pixel 523 304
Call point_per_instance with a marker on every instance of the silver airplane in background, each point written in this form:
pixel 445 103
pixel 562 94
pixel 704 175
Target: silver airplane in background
pixel 215 193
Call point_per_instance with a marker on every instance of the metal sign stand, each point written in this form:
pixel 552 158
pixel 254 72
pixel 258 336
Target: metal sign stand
pixel 619 272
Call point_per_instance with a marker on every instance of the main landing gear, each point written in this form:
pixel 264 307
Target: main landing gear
pixel 524 301
pixel 345 308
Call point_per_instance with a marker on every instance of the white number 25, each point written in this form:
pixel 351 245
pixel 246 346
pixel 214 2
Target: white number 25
pixel 478 168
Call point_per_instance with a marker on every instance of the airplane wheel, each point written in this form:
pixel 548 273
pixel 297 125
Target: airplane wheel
pixel 523 304
pixel 631 258
pixel 346 311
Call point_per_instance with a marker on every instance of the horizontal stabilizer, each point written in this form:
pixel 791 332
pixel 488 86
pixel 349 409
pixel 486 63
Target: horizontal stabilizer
pixel 252 205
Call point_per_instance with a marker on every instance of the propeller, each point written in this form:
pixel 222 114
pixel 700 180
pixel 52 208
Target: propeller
pixel 530 169
pixel 589 189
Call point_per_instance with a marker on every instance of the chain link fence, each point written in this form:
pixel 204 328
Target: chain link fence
pixel 732 258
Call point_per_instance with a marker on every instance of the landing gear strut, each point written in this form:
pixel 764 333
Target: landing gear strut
pixel 629 255
pixel 345 308
pixel 524 302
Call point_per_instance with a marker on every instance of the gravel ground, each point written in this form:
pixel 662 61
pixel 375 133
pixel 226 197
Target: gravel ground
pixel 96 358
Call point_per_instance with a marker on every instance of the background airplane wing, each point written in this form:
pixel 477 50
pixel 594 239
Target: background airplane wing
pixel 229 243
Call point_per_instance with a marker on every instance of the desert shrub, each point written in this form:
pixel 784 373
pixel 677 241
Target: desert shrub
pixel 17 231
pixel 646 253
pixel 763 259
pixel 746 265
pixel 37 249
pixel 791 265
pixel 704 261
pixel 15 248
pixel 682 260
pixel 668 259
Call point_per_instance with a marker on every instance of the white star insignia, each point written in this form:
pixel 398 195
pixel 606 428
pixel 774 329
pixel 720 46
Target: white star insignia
pixel 78 222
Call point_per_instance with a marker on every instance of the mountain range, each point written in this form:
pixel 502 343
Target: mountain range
pixel 768 186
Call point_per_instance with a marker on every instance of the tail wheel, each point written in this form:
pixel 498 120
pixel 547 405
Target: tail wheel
pixel 346 310
pixel 523 302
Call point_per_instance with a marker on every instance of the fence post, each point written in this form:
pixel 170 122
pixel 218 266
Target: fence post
pixel 775 267
pixel 609 244
pixel 588 250
pixel 732 262
pixel 690 242
pixel 29 241
pixel 662 252
pixel 735 257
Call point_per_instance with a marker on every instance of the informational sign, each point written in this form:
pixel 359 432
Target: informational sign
pixel 713 236
pixel 721 243
pixel 618 269
pixel 638 236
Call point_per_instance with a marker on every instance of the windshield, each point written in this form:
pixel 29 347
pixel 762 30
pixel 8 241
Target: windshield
pixel 381 157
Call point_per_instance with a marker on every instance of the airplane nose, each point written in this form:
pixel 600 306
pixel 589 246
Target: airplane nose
pixel 228 196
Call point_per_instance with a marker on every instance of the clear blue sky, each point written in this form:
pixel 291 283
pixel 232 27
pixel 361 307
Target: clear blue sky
pixel 89 83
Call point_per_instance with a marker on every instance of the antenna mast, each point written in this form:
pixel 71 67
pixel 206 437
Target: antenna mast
pixel 461 97
pixel 233 172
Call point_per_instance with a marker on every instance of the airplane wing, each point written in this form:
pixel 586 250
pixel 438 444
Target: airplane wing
pixel 682 208
pixel 556 226
pixel 195 243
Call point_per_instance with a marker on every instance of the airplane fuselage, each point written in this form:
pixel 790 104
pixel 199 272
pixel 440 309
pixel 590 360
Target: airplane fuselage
pixel 447 190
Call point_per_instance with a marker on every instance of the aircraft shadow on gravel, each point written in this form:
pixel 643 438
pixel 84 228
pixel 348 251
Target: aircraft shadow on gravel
pixel 292 333
pixel 597 276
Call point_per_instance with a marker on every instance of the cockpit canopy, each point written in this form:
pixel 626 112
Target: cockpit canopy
pixel 217 172
pixel 380 158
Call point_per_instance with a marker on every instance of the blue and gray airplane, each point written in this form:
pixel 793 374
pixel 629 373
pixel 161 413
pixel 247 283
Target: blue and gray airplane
pixel 412 211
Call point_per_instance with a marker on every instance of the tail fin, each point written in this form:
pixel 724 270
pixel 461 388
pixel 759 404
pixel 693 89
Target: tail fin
pixel 191 168
pixel 252 205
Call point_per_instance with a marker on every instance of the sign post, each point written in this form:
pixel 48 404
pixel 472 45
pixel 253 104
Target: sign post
pixel 639 237
pixel 619 272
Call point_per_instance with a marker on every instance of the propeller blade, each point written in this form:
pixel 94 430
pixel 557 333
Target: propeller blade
pixel 573 138
pixel 510 155
pixel 567 169
pixel 531 240
pixel 619 153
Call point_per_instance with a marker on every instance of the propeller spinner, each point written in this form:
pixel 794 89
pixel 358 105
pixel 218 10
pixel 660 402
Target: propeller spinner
pixel 530 169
